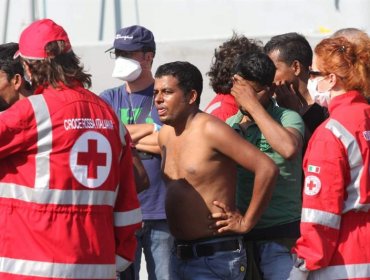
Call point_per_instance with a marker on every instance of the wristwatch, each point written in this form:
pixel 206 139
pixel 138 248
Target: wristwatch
pixel 300 263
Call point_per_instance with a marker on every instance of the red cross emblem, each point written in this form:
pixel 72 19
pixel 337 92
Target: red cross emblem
pixel 92 158
pixel 312 185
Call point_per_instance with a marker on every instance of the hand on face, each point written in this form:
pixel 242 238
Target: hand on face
pixel 245 94
pixel 286 96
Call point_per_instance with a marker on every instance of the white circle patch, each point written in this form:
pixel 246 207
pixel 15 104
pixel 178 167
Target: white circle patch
pixel 91 159
pixel 312 185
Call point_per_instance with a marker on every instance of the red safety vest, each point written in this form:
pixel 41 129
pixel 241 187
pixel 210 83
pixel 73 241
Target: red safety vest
pixel 335 225
pixel 68 203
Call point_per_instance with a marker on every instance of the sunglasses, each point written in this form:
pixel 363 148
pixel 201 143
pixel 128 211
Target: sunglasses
pixel 313 73
pixel 126 54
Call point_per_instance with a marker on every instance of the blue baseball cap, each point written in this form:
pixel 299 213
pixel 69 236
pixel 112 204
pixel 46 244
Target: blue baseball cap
pixel 133 38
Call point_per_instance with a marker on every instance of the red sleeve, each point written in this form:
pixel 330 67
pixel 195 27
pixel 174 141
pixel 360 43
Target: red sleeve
pixel 326 175
pixel 16 128
pixel 127 214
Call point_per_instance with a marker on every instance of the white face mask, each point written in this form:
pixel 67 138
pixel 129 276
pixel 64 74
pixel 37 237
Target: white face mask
pixel 26 77
pixel 126 69
pixel 321 98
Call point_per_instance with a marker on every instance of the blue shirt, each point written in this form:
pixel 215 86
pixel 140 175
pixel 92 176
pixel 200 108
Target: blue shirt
pixel 136 108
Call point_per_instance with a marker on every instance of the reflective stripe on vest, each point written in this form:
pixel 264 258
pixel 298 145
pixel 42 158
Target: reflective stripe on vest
pixel 57 270
pixel 213 107
pixel 52 196
pixel 348 271
pixel 44 141
pixel 355 163
pixel 121 263
pixel 122 219
pixel 41 192
pixel 320 217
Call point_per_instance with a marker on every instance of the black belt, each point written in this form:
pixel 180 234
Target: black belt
pixel 188 250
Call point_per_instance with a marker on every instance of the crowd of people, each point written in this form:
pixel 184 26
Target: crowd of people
pixel 270 181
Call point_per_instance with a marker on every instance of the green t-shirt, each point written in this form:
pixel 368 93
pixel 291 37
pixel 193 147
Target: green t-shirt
pixel 286 204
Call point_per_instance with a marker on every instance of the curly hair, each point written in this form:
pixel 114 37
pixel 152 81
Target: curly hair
pixel 58 67
pixel 224 60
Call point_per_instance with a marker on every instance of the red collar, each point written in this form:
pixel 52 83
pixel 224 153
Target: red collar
pixel 41 88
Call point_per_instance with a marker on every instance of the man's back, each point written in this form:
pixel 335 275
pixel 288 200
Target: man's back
pixel 61 166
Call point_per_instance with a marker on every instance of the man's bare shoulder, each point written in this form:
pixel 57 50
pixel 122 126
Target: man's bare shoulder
pixel 207 119
pixel 166 128
pixel 211 124
pixel 165 131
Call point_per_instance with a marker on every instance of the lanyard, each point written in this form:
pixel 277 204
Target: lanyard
pixel 135 114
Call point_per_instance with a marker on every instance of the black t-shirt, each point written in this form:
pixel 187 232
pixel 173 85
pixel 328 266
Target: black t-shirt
pixel 314 116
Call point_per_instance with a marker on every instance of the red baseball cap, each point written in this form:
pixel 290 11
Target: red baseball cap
pixel 37 35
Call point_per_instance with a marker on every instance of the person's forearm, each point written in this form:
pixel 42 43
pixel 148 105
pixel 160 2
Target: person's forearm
pixel 263 187
pixel 141 177
pixel 151 139
pixel 154 149
pixel 280 138
pixel 149 144
pixel 138 131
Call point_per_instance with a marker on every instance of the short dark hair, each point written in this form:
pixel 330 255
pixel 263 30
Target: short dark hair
pixel 187 75
pixel 59 66
pixel 292 46
pixel 224 59
pixel 8 64
pixel 256 67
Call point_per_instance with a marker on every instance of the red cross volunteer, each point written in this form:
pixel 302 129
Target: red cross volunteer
pixel 68 204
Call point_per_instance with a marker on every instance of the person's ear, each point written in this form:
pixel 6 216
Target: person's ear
pixel 333 79
pixel 193 96
pixel 297 67
pixel 17 81
pixel 149 56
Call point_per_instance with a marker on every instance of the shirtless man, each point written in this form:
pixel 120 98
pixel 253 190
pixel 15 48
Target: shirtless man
pixel 200 154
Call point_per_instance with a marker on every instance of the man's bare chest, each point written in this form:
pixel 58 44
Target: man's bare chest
pixel 185 157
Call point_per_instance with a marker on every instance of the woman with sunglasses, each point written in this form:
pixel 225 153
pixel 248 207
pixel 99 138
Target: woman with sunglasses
pixel 335 223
